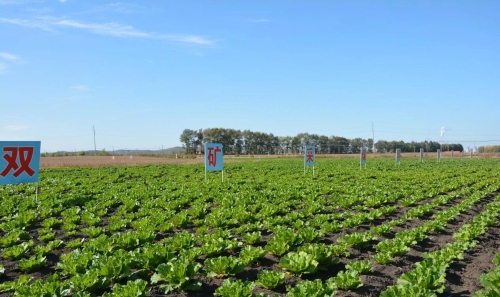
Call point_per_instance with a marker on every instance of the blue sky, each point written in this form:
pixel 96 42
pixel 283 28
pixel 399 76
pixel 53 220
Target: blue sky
pixel 143 71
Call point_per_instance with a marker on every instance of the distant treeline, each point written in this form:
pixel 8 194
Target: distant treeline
pixel 250 142
pixel 489 149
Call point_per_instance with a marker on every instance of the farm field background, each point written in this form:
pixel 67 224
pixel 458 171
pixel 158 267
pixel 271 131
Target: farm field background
pixel 413 229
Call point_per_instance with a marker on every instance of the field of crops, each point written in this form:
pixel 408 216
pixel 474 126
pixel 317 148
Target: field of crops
pixel 414 229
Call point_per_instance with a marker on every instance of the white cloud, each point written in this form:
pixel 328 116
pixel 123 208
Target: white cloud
pixel 10 57
pixel 16 2
pixel 119 7
pixel 107 29
pixel 190 39
pixel 14 128
pixel 40 24
pixel 110 29
pixel 119 30
pixel 261 21
pixel 81 88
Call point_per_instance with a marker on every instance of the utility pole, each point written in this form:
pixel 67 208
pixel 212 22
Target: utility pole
pixel 95 147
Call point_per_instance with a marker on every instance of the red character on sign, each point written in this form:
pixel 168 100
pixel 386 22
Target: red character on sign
pixel 25 155
pixel 309 155
pixel 212 155
pixel 363 155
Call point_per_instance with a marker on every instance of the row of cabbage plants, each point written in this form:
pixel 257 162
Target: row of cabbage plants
pixel 132 231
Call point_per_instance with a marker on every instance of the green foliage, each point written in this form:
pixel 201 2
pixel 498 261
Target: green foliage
pixel 33 263
pixel 357 239
pixel 360 267
pixel 252 237
pixel 236 288
pixel 75 243
pixel 270 279
pixel 177 274
pixel 340 250
pixel 277 246
pixel 382 258
pixel 51 222
pixel 46 235
pixel 14 237
pixel 381 229
pixel 347 280
pixel 152 255
pixel 21 282
pixel 312 289
pixel 114 267
pixel 75 262
pixel 223 266
pixel 215 246
pixel 16 252
pixel 182 240
pixel 395 247
pixel 92 231
pixel 321 252
pixel 309 235
pixel 127 224
pixel 429 274
pixel 135 288
pixel 299 263
pixel 491 284
pixel 407 291
pixel 89 281
pixel 250 255
pixel 53 286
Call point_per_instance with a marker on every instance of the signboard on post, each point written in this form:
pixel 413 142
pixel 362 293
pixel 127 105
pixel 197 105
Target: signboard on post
pixel 439 155
pixel 309 157
pixel 20 162
pixel 421 155
pixel 213 158
pixel 362 157
pixel 398 155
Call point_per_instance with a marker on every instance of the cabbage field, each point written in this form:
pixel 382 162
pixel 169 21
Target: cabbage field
pixel 409 229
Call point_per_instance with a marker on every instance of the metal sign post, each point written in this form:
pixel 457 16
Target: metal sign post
pixel 214 158
pixel 362 157
pixel 20 163
pixel 398 156
pixel 309 157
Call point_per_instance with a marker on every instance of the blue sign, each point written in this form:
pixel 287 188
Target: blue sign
pixel 309 155
pixel 19 162
pixel 398 155
pixel 213 157
pixel 362 156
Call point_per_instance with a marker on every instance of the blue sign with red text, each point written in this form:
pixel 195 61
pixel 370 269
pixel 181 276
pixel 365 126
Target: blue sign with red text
pixel 362 156
pixel 309 155
pixel 213 157
pixel 19 162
